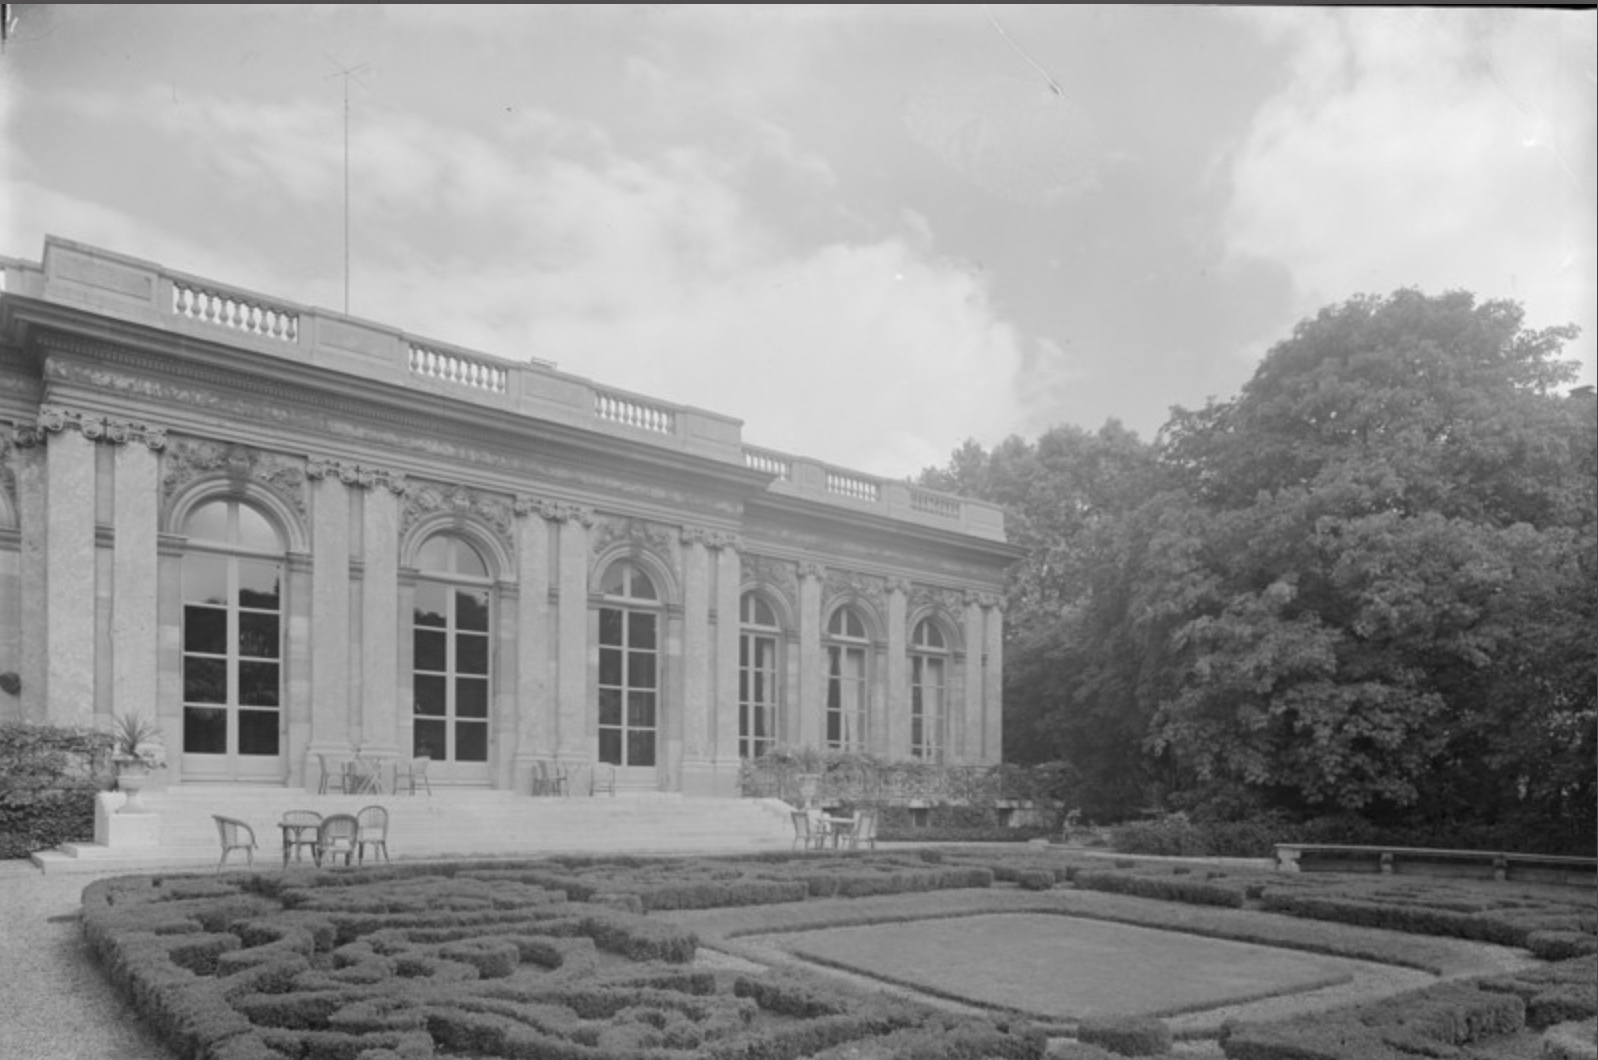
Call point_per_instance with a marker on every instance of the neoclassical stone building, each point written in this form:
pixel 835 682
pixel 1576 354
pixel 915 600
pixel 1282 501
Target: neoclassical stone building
pixel 287 532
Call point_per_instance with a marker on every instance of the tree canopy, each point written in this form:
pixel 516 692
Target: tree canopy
pixel 1364 584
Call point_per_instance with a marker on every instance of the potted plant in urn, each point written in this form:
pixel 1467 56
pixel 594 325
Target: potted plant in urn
pixel 135 751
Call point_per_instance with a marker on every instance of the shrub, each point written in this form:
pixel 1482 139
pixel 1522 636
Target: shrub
pixel 48 780
pixel 1035 879
pixel 1127 1035
pixel 1172 889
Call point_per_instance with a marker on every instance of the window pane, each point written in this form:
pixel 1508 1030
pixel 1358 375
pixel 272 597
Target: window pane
pixel 427 739
pixel 609 626
pixel 471 697
pixel 204 680
pixel 208 522
pixel 430 645
pixel 204 731
pixel 258 635
pixel 260 585
pixel 471 741
pixel 640 670
pixel 471 609
pixel 205 630
pixel 641 710
pixel 614 581
pixel 610 746
pixel 258 732
pixel 640 629
pixel 641 748
pixel 610 666
pixel 430 690
pixel 471 654
pixel 468 562
pixel 205 580
pixel 258 684
pixel 432 600
pixel 610 706
pixel 434 555
pixel 256 534
pixel 641 588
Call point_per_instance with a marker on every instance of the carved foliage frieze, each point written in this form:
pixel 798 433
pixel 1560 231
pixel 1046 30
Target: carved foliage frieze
pixel 774 575
pixel 869 587
pixel 554 511
pixel 493 512
pixel 353 474
pixel 53 419
pixel 187 459
pixel 947 602
pixel 639 533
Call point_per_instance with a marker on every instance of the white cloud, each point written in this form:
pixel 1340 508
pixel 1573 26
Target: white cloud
pixel 1430 148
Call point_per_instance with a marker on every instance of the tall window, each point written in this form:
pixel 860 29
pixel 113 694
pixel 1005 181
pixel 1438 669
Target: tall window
pixel 450 666
pixel 929 710
pixel 232 632
pixel 757 676
pixel 848 695
pixel 629 667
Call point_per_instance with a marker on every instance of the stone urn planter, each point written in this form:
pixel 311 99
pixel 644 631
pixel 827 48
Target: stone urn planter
pixel 131 778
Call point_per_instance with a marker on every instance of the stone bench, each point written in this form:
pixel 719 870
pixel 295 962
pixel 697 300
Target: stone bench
pixel 1494 864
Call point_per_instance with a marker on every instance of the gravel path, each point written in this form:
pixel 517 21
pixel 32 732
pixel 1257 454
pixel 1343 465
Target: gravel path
pixel 58 1005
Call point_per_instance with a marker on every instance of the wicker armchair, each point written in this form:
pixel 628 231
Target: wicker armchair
pixel 339 833
pixel 372 832
pixel 235 835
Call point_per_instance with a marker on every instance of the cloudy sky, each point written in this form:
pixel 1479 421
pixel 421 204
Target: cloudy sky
pixel 870 232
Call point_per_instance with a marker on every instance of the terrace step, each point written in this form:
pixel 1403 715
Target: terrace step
pixel 450 823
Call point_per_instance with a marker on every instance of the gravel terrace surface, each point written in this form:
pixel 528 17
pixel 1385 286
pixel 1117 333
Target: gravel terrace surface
pixel 58 1005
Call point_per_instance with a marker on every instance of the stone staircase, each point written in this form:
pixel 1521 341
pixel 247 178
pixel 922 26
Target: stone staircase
pixel 453 822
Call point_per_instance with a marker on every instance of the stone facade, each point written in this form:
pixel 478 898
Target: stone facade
pixel 290 534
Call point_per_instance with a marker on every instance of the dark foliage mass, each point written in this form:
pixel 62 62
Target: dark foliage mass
pixel 1363 586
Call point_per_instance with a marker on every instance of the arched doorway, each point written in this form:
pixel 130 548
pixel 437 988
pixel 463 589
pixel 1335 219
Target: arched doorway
pixel 232 645
pixel 629 673
pixel 451 660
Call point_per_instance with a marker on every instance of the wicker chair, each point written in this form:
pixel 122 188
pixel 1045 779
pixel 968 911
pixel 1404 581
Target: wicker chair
pixel 411 772
pixel 864 832
pixel 235 835
pixel 373 832
pixel 339 834
pixel 806 837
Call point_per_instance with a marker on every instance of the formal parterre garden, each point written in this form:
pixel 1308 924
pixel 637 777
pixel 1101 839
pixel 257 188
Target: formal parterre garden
pixel 827 955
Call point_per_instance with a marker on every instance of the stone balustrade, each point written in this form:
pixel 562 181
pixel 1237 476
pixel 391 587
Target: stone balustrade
pixel 148 294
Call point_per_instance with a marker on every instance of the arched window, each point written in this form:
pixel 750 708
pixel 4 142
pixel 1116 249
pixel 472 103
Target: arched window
pixel 232 642
pixel 758 676
pixel 848 693
pixel 629 666
pixel 450 676
pixel 929 700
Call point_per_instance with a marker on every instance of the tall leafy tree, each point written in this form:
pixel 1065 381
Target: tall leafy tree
pixel 1383 601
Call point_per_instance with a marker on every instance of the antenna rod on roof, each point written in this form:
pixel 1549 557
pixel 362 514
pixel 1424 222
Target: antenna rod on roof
pixel 346 72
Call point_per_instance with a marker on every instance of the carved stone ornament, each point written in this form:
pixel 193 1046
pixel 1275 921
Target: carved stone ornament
pixel 773 575
pixel 188 459
pixel 713 539
pixel 53 419
pixel 353 474
pixel 493 512
pixel 859 586
pixel 810 569
pixel 640 533
pixel 897 585
pixel 947 602
pixel 554 511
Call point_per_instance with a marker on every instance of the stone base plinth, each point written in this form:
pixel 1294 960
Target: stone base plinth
pixel 125 830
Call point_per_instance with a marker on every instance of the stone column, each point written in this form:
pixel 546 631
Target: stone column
pixel 135 640
pixel 975 678
pixel 33 647
pixel 895 738
pixel 724 717
pixel 812 672
pixel 535 714
pixel 572 740
pixel 695 664
pixel 330 611
pixel 69 574
pixel 993 679
pixel 383 731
